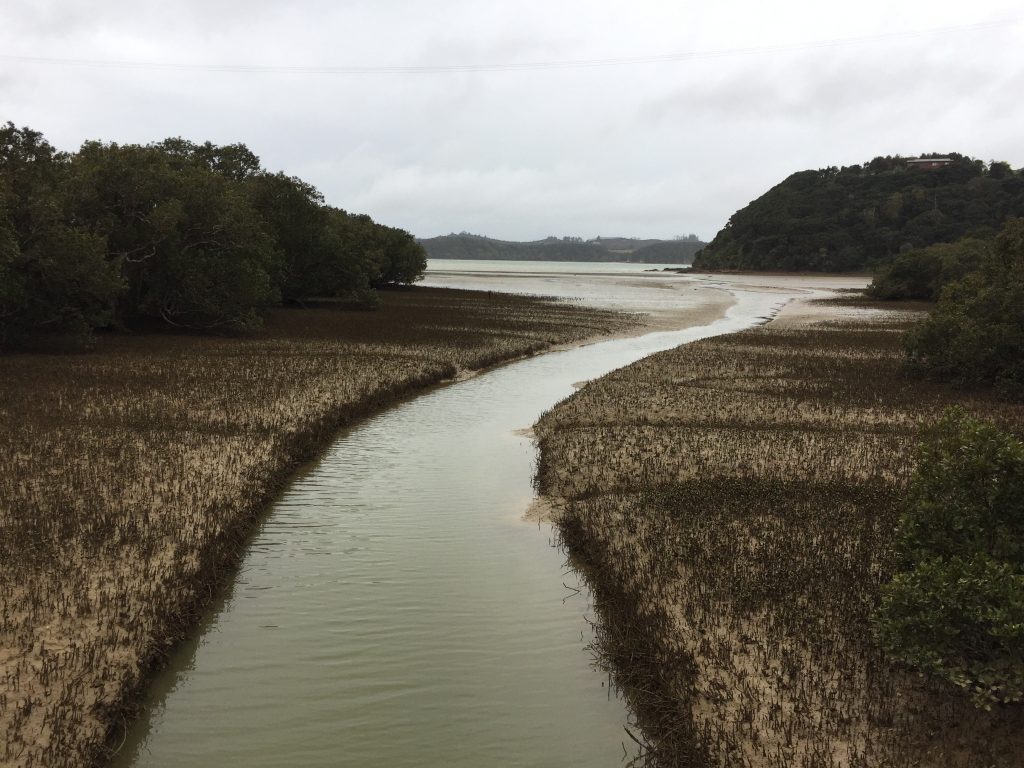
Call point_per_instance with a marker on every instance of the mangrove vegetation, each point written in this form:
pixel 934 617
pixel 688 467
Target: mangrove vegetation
pixel 783 577
pixel 175 233
pixel 131 476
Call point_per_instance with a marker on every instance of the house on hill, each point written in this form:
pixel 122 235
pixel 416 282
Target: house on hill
pixel 927 163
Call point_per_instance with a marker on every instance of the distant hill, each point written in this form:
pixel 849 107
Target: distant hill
pixel 845 219
pixel 624 244
pixel 601 249
pixel 668 252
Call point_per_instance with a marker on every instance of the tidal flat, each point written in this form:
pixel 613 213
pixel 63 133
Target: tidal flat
pixel 131 475
pixel 732 503
pixel 392 608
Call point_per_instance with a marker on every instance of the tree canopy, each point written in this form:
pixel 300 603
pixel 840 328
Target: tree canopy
pixel 955 607
pixel 975 334
pixel 844 219
pixel 191 235
pixel 54 273
pixel 923 272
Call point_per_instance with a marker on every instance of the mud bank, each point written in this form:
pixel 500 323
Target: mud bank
pixel 132 477
pixel 732 503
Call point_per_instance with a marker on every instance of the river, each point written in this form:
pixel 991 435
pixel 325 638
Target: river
pixel 395 610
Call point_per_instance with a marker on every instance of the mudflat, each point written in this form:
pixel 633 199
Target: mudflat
pixel 131 475
pixel 733 502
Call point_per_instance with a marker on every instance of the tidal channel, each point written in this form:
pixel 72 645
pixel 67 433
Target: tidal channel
pixel 395 610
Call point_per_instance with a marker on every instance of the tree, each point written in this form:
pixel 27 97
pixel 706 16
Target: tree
pixel 403 260
pixel 976 332
pixel 234 161
pixel 297 220
pixel 54 277
pixel 192 250
pixel 326 251
pixel 1000 170
pixel 850 218
pixel 955 608
pixel 922 273
pixel 193 235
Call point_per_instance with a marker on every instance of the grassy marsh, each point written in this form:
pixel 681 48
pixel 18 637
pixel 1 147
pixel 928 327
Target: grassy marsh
pixel 732 502
pixel 131 475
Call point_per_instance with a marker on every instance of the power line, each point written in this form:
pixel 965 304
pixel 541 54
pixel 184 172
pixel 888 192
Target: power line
pixel 501 67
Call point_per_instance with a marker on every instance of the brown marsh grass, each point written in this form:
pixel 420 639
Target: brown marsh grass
pixel 732 503
pixel 130 476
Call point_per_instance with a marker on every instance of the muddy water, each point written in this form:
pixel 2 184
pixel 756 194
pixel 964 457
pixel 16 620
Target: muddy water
pixel 394 610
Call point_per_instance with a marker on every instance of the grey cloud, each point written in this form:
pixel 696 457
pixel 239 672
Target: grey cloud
pixel 650 149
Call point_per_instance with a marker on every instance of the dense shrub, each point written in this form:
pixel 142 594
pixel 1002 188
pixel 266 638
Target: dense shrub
pixel 192 250
pixel 976 332
pixel 955 609
pixel 922 273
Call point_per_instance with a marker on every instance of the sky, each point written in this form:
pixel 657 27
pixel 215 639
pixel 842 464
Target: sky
pixel 525 119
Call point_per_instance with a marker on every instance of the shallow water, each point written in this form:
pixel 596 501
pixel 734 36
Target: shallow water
pixel 619 286
pixel 394 610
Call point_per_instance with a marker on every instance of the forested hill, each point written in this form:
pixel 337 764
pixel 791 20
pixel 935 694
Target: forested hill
pixel 844 219
pixel 467 246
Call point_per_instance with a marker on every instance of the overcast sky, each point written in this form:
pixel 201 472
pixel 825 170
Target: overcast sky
pixel 650 149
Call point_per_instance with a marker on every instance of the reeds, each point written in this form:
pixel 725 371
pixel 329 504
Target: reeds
pixel 732 503
pixel 130 477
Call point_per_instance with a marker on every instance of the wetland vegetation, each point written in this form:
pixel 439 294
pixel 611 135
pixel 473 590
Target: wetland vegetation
pixel 769 549
pixel 735 504
pixel 130 477
pixel 198 236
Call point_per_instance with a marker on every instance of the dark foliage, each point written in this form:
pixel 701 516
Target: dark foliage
pixel 976 332
pixel 844 219
pixel 54 275
pixel 191 249
pixel 191 235
pixel 956 606
pixel 922 273
pixel 667 252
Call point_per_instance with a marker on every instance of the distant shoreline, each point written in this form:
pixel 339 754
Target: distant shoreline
pixel 777 273
pixel 552 259
pixel 598 250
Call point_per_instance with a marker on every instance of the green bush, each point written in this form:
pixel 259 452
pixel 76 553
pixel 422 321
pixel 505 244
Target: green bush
pixel 961 620
pixel 921 274
pixel 976 332
pixel 955 608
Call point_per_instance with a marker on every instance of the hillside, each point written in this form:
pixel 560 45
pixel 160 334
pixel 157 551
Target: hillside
pixel 843 219
pixel 650 251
